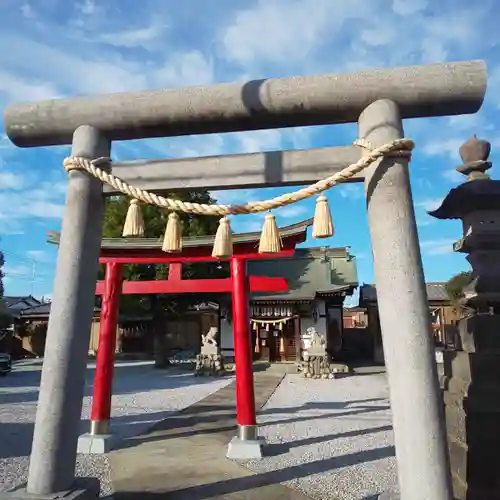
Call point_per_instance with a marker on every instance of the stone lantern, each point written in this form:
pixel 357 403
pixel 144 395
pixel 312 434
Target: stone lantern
pixel 472 371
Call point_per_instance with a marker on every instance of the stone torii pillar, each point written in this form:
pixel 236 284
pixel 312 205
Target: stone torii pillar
pixel 419 432
pixel 53 456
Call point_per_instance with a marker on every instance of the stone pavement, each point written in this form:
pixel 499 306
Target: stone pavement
pixel 183 457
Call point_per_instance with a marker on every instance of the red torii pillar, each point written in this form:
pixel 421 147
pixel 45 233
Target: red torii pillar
pixel 246 445
pixel 105 361
pixel 239 284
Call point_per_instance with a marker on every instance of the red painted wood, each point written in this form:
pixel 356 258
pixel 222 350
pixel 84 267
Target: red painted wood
pixel 223 285
pixel 103 378
pixel 245 397
pixel 175 271
pixel 159 257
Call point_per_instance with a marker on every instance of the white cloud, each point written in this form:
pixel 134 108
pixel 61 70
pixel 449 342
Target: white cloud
pixel 36 255
pixel 27 11
pixel 133 37
pixel 250 225
pixel 9 180
pixel 282 31
pixel 453 176
pixel 87 7
pixel 39 200
pixel 235 196
pixel 20 88
pixel 437 247
pixel 440 147
pixel 259 140
pixel 351 191
pixel 293 211
pixel 408 7
pixel 429 204
pixel 17 270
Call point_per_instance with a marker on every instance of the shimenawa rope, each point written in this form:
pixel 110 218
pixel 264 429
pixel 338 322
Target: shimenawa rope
pixel 398 147
pixel 270 240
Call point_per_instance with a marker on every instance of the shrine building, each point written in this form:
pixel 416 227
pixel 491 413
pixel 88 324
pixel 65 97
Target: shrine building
pixel 290 292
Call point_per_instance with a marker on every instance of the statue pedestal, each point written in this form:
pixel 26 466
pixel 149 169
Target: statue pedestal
pixel 317 361
pixel 317 365
pixel 209 363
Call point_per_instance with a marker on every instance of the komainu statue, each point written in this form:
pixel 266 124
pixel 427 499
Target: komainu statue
pixel 209 361
pixel 316 359
pixel 210 338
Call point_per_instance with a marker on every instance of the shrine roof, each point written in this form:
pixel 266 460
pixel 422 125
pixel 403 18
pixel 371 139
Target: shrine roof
pixel 310 273
pixel 436 292
pixel 195 241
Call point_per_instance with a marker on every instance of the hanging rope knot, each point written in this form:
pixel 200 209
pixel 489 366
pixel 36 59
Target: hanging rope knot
pixel 404 149
pixel 90 166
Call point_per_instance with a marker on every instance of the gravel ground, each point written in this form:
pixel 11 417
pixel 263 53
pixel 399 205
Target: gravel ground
pixel 332 439
pixel 142 396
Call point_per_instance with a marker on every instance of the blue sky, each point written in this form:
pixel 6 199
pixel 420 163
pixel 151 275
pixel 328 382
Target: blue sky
pixel 57 48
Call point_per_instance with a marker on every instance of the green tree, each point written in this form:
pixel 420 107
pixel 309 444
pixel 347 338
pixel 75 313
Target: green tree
pixel 155 220
pixel 455 286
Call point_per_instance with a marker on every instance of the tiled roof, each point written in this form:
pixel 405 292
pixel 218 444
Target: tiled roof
pixel 435 292
pixel 189 241
pixel 309 272
pixel 27 299
pixel 40 310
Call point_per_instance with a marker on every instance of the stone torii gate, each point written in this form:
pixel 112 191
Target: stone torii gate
pixel 378 101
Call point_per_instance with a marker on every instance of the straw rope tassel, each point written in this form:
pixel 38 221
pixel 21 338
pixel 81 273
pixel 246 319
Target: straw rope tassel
pixel 173 235
pixel 223 243
pixel 257 342
pixel 134 223
pixel 270 239
pixel 322 225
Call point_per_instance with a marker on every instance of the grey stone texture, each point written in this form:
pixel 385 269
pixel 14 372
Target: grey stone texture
pixel 209 365
pixel 53 455
pixel 81 489
pixel 471 380
pixel 419 91
pixel 418 420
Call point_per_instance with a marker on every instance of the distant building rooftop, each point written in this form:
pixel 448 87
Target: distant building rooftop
pixel 436 292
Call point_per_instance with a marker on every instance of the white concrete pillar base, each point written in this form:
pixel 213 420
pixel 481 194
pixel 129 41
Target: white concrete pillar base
pixel 96 443
pixel 245 449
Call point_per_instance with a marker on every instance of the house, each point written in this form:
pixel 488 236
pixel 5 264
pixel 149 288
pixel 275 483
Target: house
pixel 134 334
pixel 441 310
pixel 318 279
pixel 17 304
pixel 30 329
pixel 355 317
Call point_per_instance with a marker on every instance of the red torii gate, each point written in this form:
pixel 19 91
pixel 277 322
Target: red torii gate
pixel 116 252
